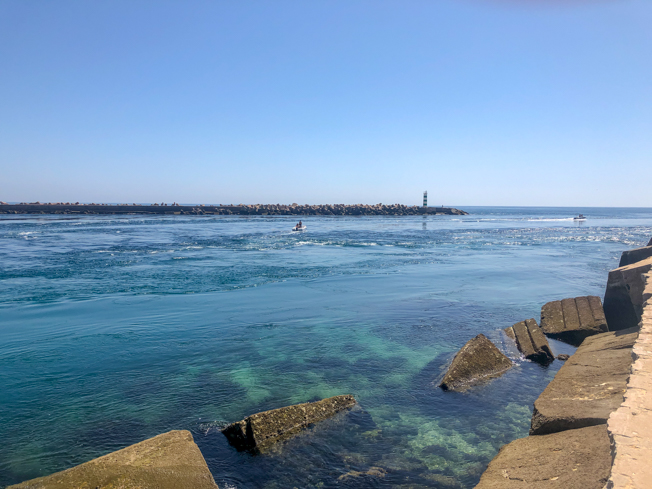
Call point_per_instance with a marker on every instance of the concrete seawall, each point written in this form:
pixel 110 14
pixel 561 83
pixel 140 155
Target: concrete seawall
pixel 592 425
pixel 227 210
pixel 630 426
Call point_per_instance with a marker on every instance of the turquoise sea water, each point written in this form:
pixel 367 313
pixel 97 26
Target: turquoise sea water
pixel 115 329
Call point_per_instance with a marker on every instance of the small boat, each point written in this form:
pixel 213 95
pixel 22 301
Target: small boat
pixel 580 218
pixel 299 228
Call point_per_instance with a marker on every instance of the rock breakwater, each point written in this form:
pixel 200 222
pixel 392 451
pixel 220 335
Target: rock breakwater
pixel 227 210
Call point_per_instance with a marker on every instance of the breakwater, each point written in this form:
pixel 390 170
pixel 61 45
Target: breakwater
pixel 228 210
pixel 592 427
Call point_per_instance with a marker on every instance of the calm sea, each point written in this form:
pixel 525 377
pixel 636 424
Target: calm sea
pixel 115 329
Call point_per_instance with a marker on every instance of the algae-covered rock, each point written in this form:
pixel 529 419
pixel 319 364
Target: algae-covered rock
pixel 477 361
pixel 167 461
pixel 373 472
pixel 531 341
pixel 588 387
pixel 263 429
pixel 573 320
pixel 574 459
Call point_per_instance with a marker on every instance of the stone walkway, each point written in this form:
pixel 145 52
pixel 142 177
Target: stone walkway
pixel 630 426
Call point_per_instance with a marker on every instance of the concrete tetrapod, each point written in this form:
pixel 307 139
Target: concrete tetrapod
pixel 477 361
pixel 261 430
pixel 167 461
pixel 572 320
pixel 588 387
pixel 573 459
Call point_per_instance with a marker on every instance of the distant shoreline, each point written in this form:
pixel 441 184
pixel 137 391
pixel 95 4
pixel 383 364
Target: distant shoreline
pixel 226 210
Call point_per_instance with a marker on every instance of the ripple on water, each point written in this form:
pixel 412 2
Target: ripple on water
pixel 117 329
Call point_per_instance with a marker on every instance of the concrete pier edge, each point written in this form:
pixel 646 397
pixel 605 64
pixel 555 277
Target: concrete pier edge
pixel 630 426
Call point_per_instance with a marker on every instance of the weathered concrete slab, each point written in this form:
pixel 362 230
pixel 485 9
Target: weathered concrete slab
pixel 510 332
pixel 588 387
pixel 573 320
pixel 531 341
pixel 476 362
pixel 523 340
pixel 598 314
pixel 571 316
pixel 167 461
pixel 632 256
pixel 261 430
pixel 540 342
pixel 630 426
pixel 623 299
pixel 574 459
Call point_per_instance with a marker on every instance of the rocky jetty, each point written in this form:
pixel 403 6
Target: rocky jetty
pixel 588 387
pixel 632 256
pixel 261 430
pixel 573 459
pixel 477 361
pixel 167 461
pixel 531 341
pixel 623 299
pixel 573 320
pixel 227 210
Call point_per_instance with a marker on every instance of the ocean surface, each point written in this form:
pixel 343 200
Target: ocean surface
pixel 114 329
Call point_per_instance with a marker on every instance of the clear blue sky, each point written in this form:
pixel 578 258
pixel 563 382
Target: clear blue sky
pixel 481 102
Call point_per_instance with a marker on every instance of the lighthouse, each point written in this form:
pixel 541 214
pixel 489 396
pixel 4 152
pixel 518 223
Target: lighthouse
pixel 425 198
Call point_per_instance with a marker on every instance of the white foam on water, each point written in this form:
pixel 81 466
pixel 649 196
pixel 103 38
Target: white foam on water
pixel 536 219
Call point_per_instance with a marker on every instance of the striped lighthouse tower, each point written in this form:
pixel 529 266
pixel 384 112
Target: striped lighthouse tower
pixel 425 198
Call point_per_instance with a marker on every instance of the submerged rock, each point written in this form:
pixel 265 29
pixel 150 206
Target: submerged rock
pixel 632 256
pixel 623 299
pixel 588 387
pixel 573 320
pixel 563 357
pixel 167 461
pixel 260 430
pixel 574 459
pixel 477 361
pixel 373 472
pixel 531 341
